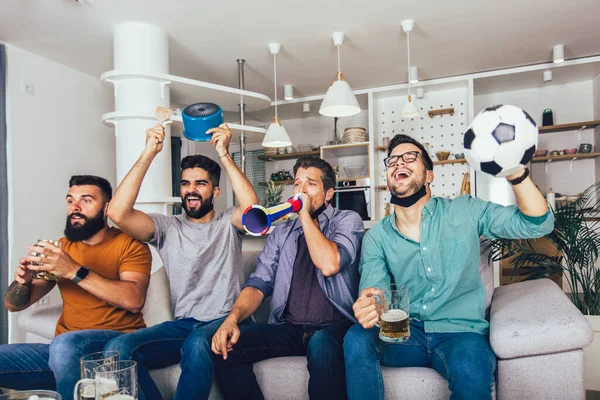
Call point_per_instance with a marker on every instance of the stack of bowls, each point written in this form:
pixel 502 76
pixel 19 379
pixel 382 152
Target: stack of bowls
pixel 585 148
pixel 355 135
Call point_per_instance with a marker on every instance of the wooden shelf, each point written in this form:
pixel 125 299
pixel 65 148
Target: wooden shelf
pixel 569 127
pixel 578 156
pixel 344 150
pixel 286 182
pixel 440 112
pixel 288 156
pixel 381 187
pixel 459 161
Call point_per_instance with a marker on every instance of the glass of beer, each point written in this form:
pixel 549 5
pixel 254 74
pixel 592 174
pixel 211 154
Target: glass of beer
pixel 112 381
pixel 47 276
pixel 394 302
pixel 87 364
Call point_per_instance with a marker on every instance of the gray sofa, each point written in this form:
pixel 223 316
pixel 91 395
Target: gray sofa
pixel 535 331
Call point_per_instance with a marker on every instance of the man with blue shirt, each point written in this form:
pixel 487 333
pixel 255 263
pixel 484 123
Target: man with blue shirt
pixel 432 245
pixel 309 268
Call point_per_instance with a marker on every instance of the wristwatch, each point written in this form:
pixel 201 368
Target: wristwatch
pixel 520 179
pixel 80 274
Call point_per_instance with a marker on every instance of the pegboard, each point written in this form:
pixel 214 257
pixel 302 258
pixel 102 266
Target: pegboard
pixel 441 132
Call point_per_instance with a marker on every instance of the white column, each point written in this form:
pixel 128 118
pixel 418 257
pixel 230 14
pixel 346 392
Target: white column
pixel 142 49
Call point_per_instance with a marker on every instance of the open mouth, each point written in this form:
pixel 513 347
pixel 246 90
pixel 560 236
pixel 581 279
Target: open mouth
pixel 401 175
pixel 193 201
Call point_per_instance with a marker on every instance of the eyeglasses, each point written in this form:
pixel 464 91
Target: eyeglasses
pixel 408 157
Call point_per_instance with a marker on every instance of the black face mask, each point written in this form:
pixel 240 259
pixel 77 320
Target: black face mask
pixel 91 226
pixel 410 200
pixel 315 214
pixel 205 207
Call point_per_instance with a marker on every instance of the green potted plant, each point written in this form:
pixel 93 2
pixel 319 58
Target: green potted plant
pixel 576 239
pixel 273 194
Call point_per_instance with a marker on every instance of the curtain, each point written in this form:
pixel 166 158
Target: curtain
pixel 3 199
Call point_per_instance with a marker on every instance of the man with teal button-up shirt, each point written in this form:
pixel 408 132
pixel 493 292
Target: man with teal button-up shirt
pixel 432 245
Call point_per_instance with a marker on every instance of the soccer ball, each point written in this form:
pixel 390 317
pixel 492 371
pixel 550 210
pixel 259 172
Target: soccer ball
pixel 500 140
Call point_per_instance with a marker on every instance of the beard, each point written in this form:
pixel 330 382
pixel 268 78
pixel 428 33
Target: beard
pixel 206 206
pixel 84 231
pixel 412 188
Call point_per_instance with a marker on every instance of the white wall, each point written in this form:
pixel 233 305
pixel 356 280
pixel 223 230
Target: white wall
pixel 52 135
pixel 570 103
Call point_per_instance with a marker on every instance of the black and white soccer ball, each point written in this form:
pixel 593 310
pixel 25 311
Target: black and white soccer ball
pixel 500 140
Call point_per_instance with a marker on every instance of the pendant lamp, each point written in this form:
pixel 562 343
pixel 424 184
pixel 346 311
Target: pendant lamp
pixel 339 100
pixel 410 109
pixel 276 135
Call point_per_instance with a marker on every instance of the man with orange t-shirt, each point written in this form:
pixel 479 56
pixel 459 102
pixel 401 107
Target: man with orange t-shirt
pixel 103 279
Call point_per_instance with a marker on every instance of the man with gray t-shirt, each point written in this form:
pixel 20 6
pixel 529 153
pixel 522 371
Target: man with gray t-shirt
pixel 202 254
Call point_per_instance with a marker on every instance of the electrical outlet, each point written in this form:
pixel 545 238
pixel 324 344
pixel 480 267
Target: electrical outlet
pixel 28 88
pixel 44 301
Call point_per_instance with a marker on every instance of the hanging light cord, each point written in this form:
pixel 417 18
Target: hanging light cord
pixel 339 67
pixel 408 49
pixel 275 81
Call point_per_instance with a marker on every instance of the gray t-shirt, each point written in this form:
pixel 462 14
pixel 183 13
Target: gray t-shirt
pixel 203 262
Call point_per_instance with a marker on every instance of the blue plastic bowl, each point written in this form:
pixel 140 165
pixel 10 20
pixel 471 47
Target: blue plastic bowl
pixel 200 117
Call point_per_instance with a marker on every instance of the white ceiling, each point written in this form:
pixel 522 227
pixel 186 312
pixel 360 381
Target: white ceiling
pixel 206 38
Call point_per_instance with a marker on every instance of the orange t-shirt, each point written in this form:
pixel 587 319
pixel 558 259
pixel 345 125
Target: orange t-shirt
pixel 115 254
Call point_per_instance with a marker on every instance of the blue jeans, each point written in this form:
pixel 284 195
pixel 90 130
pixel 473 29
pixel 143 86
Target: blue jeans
pixel 54 366
pixel 185 341
pixel 464 359
pixel 322 347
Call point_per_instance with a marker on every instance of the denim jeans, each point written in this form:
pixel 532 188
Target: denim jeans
pixel 321 345
pixel 185 341
pixel 464 359
pixel 54 366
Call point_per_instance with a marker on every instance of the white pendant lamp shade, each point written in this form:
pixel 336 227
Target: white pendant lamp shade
pixel 276 135
pixel 339 100
pixel 410 109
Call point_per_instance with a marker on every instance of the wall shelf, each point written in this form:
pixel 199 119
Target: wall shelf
pixel 288 156
pixel 441 111
pixel 190 91
pixel 569 127
pixel 113 117
pixel 566 157
pixel 285 182
pixel 344 150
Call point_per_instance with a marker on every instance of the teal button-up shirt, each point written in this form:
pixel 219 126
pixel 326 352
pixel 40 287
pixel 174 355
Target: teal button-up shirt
pixel 442 271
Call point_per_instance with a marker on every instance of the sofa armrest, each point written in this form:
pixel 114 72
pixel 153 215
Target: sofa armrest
pixel 535 317
pixel 40 320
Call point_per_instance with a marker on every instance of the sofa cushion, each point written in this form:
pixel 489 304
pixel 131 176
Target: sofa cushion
pixel 536 317
pixel 289 375
pixel 157 308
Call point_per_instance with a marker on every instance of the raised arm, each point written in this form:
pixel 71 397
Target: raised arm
pixel 128 292
pixel 529 199
pixel 135 223
pixel 244 192
pixel 25 291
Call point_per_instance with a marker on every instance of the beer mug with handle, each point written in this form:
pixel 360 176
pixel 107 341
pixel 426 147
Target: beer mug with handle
pixel 394 302
pixel 114 381
pixel 87 364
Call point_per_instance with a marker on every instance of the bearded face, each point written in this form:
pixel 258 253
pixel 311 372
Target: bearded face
pixel 196 207
pixel 80 227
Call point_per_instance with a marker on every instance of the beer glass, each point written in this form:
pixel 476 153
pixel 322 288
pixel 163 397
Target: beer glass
pixel 32 395
pixel 43 274
pixel 112 381
pixel 394 302
pixel 87 364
